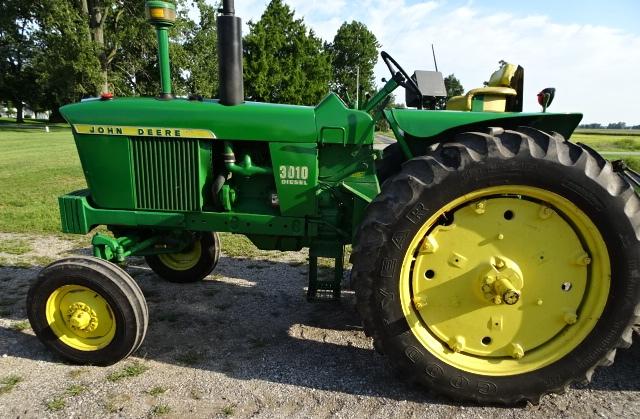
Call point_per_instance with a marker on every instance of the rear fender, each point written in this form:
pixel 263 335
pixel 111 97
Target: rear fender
pixel 419 129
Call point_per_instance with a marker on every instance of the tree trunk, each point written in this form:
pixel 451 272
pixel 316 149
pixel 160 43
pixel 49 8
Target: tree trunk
pixel 84 8
pixel 56 116
pixel 19 112
pixel 96 12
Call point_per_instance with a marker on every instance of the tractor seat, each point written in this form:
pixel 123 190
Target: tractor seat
pixel 503 93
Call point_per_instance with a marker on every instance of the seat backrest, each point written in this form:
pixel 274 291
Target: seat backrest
pixel 514 103
pixel 503 76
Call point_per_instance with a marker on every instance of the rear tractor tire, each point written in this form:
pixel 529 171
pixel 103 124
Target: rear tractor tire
pixel 87 311
pixel 506 266
pixel 191 265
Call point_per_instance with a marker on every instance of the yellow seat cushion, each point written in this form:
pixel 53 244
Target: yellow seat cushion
pixel 494 99
pixel 458 103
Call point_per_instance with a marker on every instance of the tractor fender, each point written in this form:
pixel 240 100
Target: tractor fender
pixel 437 126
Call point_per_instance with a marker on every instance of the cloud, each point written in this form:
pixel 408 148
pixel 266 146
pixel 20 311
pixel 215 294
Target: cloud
pixel 593 67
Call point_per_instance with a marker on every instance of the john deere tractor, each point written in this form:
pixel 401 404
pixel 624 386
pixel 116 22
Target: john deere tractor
pixel 493 259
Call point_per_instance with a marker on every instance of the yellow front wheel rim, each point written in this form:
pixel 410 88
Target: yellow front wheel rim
pixel 80 317
pixel 182 261
pixel 514 279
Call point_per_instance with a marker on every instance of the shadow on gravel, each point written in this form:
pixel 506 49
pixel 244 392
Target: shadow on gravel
pixel 14 284
pixel 250 321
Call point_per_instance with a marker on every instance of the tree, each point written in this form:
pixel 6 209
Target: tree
pixel 453 87
pixel 133 69
pixel 201 53
pixel 593 125
pixel 18 49
pixel 102 18
pixel 617 125
pixel 68 69
pixel 354 54
pixel 284 62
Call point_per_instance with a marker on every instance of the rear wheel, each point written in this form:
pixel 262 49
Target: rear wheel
pixel 191 265
pixel 87 310
pixel 505 266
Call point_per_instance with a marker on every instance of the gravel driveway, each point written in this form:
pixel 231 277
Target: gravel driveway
pixel 245 343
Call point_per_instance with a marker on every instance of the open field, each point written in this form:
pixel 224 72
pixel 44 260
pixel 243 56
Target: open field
pixel 242 343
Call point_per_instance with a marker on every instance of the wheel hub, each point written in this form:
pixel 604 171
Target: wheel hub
pixel 503 281
pixel 82 318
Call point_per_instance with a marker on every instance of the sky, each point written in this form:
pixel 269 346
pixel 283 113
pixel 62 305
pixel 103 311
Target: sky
pixel 588 50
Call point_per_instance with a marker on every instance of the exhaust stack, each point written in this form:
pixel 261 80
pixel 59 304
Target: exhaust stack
pixel 231 83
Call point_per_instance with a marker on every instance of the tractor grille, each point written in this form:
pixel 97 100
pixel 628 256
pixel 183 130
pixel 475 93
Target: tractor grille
pixel 166 173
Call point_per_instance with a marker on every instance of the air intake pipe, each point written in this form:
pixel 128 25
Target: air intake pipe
pixel 231 84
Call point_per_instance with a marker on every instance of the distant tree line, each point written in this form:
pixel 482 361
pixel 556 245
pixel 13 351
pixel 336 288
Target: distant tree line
pixel 611 125
pixel 54 52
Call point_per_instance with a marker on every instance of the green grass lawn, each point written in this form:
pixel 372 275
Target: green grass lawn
pixel 602 142
pixel 36 167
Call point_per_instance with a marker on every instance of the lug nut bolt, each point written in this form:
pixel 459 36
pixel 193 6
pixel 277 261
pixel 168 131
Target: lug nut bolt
pixel 545 212
pixel 430 245
pixel 570 318
pixel 457 344
pixel 419 303
pixel 516 351
pixel 583 259
pixel 511 297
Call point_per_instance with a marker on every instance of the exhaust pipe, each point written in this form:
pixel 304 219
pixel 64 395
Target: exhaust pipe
pixel 231 83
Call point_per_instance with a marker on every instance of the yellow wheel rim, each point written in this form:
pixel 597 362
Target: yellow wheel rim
pixel 515 280
pixel 80 318
pixel 182 261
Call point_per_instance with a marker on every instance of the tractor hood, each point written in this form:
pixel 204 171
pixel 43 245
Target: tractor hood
pixel 247 121
pixel 427 124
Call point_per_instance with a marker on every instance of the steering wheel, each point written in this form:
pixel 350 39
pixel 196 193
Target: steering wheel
pixel 407 82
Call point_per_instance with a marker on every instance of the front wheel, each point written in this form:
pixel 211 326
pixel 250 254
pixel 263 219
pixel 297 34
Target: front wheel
pixel 192 264
pixel 87 310
pixel 506 266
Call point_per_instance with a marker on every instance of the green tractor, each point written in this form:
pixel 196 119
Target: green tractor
pixel 493 260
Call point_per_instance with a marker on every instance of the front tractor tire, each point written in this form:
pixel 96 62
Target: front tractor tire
pixel 87 311
pixel 191 265
pixel 507 266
